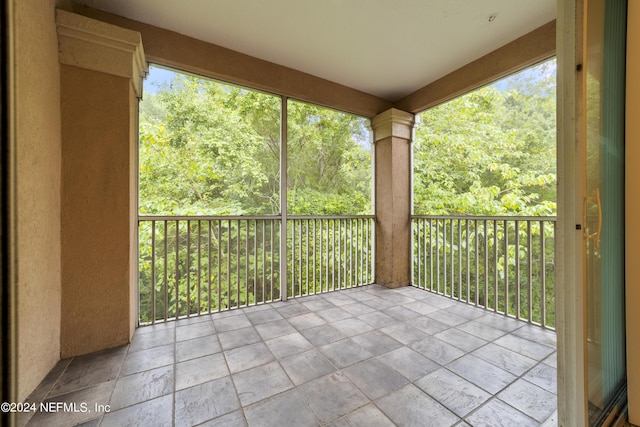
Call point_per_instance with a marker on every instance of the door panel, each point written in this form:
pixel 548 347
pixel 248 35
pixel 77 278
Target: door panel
pixel 604 205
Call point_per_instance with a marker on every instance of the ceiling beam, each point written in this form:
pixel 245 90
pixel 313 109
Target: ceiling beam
pixel 527 50
pixel 185 53
pixel 176 50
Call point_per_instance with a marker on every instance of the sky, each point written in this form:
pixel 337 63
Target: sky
pixel 156 77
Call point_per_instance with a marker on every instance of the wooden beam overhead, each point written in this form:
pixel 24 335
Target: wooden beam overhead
pixel 527 50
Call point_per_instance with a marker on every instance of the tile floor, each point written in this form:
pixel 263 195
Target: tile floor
pixel 366 356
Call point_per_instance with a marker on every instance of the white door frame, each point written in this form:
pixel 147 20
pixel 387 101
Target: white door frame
pixel 570 293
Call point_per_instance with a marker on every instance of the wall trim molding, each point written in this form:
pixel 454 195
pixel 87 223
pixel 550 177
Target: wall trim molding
pixel 393 123
pixel 95 45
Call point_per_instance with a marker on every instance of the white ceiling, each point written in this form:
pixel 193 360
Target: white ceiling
pixel 388 48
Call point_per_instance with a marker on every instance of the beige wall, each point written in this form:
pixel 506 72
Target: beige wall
pixel 100 76
pixel 632 208
pixel 133 212
pixel 95 224
pixel 393 131
pixel 37 115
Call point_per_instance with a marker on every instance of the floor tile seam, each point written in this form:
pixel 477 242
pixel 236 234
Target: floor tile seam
pixel 474 384
pixel 235 388
pixel 119 375
pixel 204 314
pixel 240 407
pixel 363 392
pixel 47 394
pixel 83 388
pixel 374 402
pixel 495 395
pixel 522 412
pixel 540 329
pixel 141 329
pixel 337 370
pixel 127 406
pixel 549 364
pixel 525 355
pixel 294 389
pixel 518 377
pixel 537 362
pixel 463 349
pixel 275 358
pixel 175 377
pixel 464 353
pixel 522 377
pixel 191 325
pixel 328 423
pixel 480 323
pixel 491 396
pixel 487 402
pixel 479 386
pixel 369 400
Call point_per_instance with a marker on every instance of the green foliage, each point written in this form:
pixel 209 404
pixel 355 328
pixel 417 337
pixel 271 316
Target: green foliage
pixel 489 152
pixel 328 254
pixel 202 153
pixel 207 265
pixel 329 162
pixel 208 148
pixel 489 263
pixel 213 149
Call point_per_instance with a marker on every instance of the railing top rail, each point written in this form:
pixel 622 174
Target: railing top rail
pixel 331 216
pixel 245 217
pixel 206 217
pixel 488 217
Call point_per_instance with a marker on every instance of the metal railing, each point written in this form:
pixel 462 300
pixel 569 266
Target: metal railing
pixel 196 265
pixel 330 252
pixel 504 264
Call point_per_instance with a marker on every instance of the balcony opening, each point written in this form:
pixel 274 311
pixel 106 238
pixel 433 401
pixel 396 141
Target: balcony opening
pixel 238 206
pixel 485 197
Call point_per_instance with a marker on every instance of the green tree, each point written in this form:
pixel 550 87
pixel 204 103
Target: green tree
pixel 489 152
pixel 329 159
pixel 201 154
pixel 208 148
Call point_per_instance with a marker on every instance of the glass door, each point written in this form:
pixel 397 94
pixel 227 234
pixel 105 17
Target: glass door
pixel 604 207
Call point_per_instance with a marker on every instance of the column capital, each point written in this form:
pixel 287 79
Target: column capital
pixel 393 123
pixel 95 45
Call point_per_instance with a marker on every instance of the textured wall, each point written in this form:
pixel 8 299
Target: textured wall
pixel 392 135
pixel 38 190
pixel 96 209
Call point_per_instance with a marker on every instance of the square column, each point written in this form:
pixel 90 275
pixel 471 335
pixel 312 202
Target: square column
pixel 101 69
pixel 393 130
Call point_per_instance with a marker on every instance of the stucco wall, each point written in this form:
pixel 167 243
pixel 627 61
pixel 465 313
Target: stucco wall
pixel 38 190
pixel 393 131
pixel 95 218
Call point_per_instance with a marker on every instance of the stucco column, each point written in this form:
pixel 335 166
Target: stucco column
pixel 393 130
pixel 101 68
